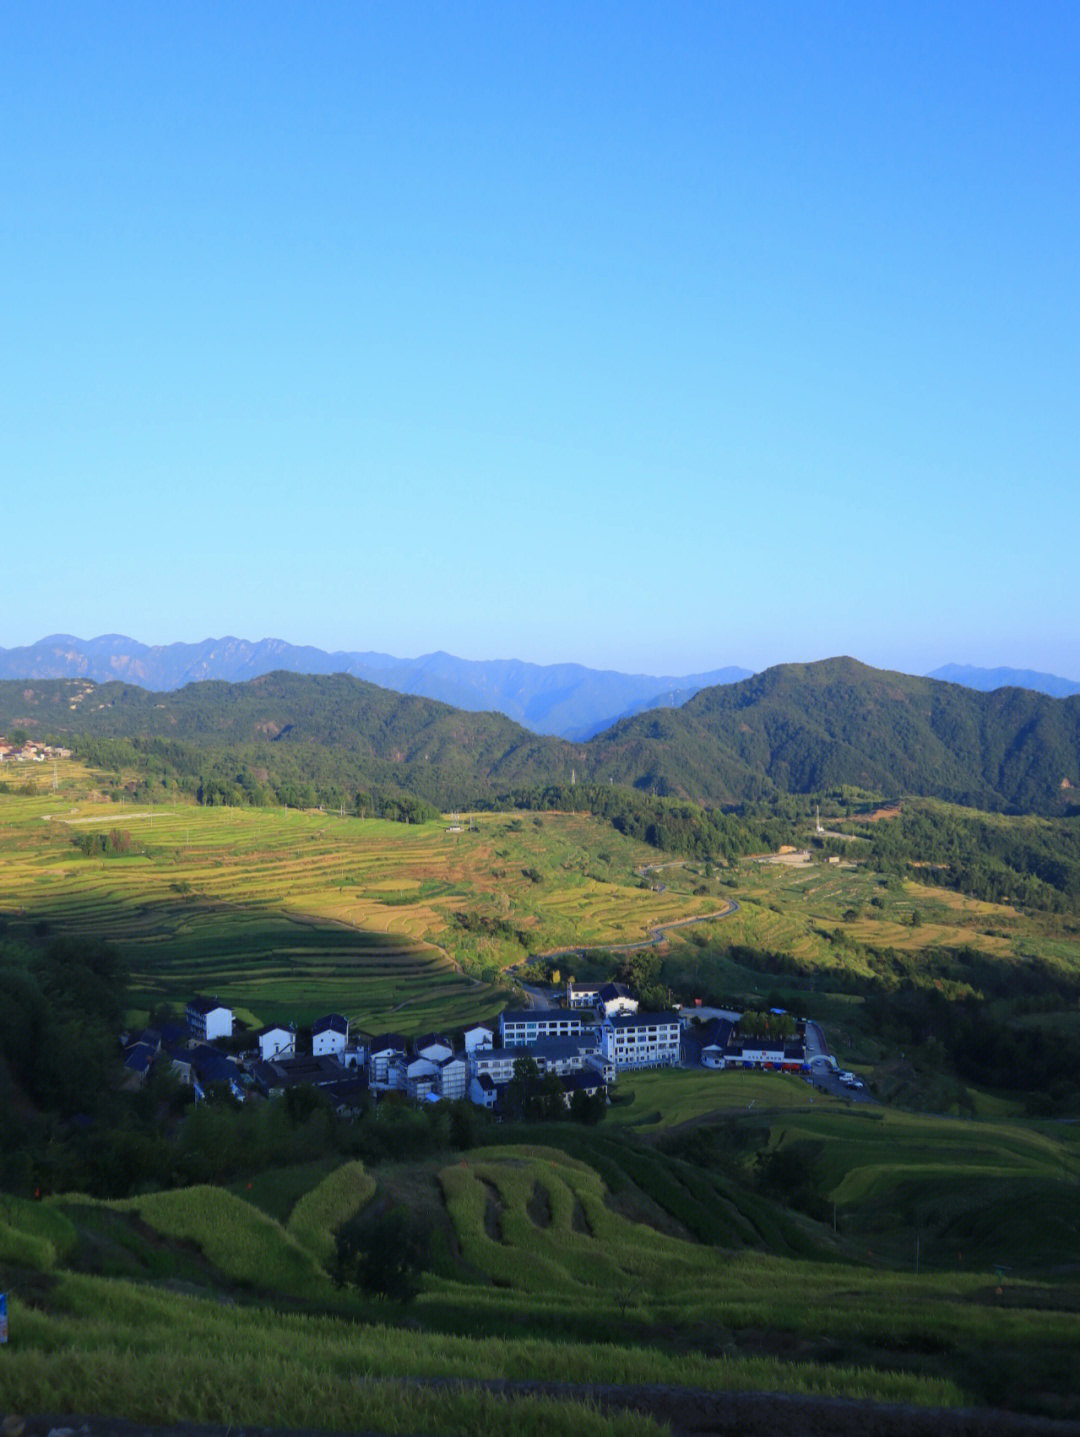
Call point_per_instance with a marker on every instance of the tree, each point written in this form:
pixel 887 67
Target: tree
pixel 522 1088
pixel 382 1252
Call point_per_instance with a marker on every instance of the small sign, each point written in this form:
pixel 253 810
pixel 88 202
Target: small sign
pixel 3 1317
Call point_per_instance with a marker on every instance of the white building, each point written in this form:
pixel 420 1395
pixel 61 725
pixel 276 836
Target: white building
pixel 581 995
pixel 381 1052
pixel 421 1077
pixel 208 1019
pixel 329 1035
pixel 483 1092
pixel 453 1077
pixel 433 1047
pixel 517 1029
pixel 615 998
pixel 641 1040
pixel 479 1036
pixel 494 1063
pixel 565 1055
pixel 277 1043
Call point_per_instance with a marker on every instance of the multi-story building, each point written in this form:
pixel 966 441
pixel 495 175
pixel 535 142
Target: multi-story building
pixel 208 1019
pixel 381 1051
pixel 522 1027
pixel 614 998
pixel 276 1043
pixel 641 1040
pixel 494 1063
pixel 581 995
pixel 329 1035
pixel 453 1077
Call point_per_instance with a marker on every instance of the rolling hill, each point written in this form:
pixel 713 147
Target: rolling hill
pixel 805 727
pixel 796 727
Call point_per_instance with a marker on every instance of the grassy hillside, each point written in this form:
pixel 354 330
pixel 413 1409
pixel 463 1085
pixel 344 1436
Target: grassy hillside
pixel 717 1231
pixel 579 1262
pixel 287 914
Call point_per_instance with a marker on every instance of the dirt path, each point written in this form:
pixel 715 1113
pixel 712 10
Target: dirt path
pixel 656 936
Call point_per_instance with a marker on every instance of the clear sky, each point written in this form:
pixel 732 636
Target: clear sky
pixel 652 336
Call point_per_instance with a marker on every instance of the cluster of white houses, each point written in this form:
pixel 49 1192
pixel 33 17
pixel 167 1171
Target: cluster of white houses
pixel 599 1034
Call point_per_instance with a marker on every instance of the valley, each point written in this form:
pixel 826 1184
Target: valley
pixel 715 1233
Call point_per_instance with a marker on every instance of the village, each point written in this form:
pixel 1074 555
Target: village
pixel 597 1033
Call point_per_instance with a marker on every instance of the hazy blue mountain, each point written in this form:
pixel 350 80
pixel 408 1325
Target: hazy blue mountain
pixel 567 700
pixel 986 680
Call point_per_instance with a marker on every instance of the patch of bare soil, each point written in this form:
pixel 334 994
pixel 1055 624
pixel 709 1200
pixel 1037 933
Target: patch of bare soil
pixel 493 1211
pixel 579 1219
pixel 539 1206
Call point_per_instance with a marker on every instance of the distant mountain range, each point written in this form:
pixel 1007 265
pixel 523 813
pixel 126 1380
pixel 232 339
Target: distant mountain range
pixel 566 700
pixel 794 728
pixel 989 679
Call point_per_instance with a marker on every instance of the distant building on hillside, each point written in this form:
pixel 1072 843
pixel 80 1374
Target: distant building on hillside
pixel 208 1019
pixel 329 1035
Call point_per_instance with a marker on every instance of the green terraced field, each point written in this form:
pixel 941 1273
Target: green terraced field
pixel 286 914
pixel 551 1276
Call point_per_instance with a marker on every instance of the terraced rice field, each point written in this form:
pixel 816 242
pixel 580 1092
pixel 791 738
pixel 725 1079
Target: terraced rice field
pixel 801 910
pixel 284 915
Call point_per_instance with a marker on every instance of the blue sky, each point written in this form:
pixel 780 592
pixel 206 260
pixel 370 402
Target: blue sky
pixel 651 336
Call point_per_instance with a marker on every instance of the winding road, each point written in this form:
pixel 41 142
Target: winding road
pixel 656 935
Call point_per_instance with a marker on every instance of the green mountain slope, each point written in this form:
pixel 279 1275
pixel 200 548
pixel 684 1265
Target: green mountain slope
pixel 801 727
pixel 795 728
pixel 305 724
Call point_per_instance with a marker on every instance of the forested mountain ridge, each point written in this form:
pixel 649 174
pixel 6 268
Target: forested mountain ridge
pixel 805 727
pixel 794 728
pixel 566 700
pixel 308 724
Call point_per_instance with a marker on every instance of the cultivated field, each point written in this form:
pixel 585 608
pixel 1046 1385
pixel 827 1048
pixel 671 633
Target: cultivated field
pixel 284 914
pixel 557 1273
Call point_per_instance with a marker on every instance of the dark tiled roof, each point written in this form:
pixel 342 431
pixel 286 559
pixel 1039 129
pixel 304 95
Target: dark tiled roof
pixel 298 1072
pixel 210 1066
pixel 585 1081
pixel 139 1058
pixel 715 1033
pixel 346 1089
pixel 393 1042
pixel 642 1020
pixel 332 1023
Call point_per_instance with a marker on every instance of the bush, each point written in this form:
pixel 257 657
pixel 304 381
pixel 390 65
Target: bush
pixel 382 1253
